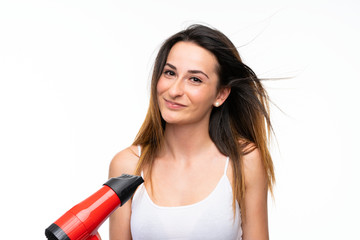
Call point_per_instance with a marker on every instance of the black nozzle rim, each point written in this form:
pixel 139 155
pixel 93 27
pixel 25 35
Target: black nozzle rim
pixel 124 186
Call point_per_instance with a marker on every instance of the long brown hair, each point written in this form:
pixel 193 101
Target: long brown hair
pixel 237 127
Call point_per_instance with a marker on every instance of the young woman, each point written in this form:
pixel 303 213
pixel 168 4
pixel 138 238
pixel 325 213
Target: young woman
pixel 202 148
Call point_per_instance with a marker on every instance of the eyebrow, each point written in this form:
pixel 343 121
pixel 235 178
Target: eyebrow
pixel 190 71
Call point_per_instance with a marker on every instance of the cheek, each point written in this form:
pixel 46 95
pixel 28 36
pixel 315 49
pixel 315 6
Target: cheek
pixel 161 86
pixel 206 97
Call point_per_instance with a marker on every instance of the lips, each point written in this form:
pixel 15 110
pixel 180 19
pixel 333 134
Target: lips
pixel 173 105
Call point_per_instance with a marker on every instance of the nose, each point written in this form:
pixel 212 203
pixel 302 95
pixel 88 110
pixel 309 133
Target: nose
pixel 177 88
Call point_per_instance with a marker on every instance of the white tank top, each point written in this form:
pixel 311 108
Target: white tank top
pixel 211 218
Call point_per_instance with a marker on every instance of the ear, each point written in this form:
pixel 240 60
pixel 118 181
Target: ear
pixel 222 96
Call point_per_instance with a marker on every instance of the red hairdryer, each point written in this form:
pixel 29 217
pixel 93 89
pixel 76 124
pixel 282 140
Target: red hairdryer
pixel 83 220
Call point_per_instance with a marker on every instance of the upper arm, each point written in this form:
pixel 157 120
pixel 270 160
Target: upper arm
pixel 255 223
pixel 123 162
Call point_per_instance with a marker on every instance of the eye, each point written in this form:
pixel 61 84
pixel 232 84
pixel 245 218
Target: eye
pixel 169 73
pixel 196 80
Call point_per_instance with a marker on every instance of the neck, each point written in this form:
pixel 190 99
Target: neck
pixel 184 142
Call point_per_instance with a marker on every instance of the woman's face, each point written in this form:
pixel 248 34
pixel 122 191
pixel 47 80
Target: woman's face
pixel 187 88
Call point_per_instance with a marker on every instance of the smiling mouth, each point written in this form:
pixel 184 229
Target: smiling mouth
pixel 173 105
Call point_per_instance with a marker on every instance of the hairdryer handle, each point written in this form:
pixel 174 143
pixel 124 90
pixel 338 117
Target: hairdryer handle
pixel 95 237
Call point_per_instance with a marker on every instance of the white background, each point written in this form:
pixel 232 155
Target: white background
pixel 74 88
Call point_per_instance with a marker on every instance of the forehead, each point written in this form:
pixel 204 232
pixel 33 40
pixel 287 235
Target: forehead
pixel 190 56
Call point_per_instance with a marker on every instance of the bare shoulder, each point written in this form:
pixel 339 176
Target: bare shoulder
pixel 254 168
pixel 124 162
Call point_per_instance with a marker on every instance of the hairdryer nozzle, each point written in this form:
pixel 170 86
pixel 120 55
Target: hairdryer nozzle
pixel 124 186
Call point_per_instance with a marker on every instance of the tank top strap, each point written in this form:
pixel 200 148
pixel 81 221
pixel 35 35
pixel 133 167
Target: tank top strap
pixel 226 165
pixel 139 150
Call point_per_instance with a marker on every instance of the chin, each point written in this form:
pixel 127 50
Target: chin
pixel 172 120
